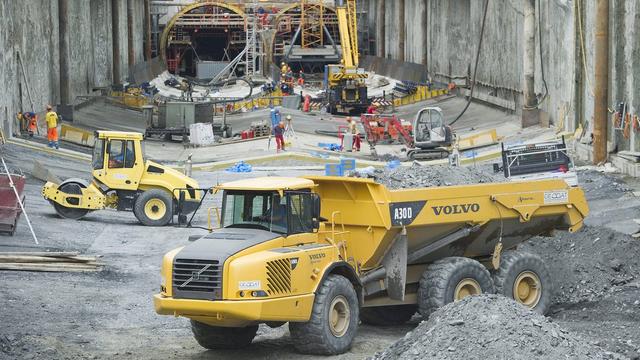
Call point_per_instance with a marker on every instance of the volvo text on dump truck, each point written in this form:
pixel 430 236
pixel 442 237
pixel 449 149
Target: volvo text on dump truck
pixel 322 253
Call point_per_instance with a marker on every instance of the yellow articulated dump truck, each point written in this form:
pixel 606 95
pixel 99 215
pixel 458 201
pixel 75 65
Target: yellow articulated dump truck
pixel 125 181
pixel 324 253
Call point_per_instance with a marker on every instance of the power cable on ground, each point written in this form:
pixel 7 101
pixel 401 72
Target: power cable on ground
pixel 475 69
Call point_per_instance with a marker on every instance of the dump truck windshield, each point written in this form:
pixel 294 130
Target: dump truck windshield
pixel 97 161
pixel 258 210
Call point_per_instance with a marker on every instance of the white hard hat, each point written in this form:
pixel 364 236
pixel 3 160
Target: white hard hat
pixel 288 117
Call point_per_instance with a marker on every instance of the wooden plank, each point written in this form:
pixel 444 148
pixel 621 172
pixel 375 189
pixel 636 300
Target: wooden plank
pixel 41 253
pixel 44 259
pixel 49 267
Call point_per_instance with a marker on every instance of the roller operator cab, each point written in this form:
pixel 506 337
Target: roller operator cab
pixel 123 180
pixel 323 253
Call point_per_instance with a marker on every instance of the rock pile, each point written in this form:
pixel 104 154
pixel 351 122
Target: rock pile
pixel 490 327
pixel 417 176
pixel 594 261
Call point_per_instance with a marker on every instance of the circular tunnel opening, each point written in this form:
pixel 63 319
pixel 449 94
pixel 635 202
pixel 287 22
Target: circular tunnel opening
pixel 203 38
pixel 324 50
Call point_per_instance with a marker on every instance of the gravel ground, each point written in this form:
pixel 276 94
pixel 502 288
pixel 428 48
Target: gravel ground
pixel 490 327
pixel 110 314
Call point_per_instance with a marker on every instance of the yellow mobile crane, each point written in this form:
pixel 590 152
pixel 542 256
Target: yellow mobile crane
pixel 346 88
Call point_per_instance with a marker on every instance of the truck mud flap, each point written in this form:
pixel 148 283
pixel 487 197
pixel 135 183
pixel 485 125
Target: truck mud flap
pixel 395 264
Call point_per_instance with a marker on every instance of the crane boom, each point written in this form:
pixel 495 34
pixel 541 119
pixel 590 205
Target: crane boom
pixel 348 26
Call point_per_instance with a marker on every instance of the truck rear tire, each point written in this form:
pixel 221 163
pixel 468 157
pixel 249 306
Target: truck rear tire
pixel 525 278
pixel 214 337
pixel 154 208
pixel 451 279
pixel 334 319
pixel 387 315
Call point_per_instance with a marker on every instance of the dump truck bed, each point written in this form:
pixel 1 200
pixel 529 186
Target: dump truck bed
pixel 466 220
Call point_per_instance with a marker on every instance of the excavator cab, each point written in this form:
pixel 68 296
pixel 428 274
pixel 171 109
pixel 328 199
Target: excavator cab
pixel 429 127
pixel 432 137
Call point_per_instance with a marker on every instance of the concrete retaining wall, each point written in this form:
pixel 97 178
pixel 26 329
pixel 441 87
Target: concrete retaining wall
pixel 443 34
pixel 31 28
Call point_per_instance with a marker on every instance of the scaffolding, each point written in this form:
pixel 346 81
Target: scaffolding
pixel 312 24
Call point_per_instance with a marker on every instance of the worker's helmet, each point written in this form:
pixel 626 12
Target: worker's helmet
pixel 283 63
pixel 288 117
pixel 281 124
pixel 349 118
pixel 49 107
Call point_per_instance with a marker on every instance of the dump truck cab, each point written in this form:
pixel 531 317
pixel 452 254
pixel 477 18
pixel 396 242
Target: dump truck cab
pixel 322 253
pixel 124 180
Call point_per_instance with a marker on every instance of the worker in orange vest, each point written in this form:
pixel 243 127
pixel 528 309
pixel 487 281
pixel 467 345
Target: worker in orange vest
pixel 52 128
pixel 32 120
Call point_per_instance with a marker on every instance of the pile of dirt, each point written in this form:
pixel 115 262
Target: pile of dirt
pixel 597 185
pixel 417 176
pixel 490 327
pixel 594 262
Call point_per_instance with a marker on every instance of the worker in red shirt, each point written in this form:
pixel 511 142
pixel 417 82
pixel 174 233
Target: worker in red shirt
pixel 278 132
pixel 372 109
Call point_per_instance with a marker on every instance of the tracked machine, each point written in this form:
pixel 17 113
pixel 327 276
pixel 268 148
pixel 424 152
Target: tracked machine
pixel 427 137
pixel 324 253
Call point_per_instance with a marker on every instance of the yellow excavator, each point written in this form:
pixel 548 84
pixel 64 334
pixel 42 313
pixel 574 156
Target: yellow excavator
pixel 125 181
pixel 346 88
pixel 323 253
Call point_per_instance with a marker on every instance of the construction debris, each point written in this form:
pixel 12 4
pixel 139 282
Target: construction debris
pixel 49 261
pixel 490 327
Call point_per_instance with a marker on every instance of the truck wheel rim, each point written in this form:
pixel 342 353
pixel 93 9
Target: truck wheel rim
pixel 339 316
pixel 155 209
pixel 527 289
pixel 467 287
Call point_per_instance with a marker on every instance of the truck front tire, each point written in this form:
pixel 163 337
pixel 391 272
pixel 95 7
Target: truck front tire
pixel 451 279
pixel 387 315
pixel 334 319
pixel 214 337
pixel 525 278
pixel 154 208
